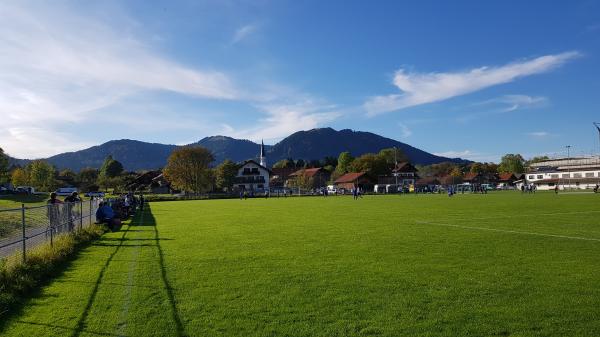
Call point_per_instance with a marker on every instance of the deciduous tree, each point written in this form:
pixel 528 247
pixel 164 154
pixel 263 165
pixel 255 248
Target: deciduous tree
pixel 3 166
pixel 225 174
pixel 188 169
pixel 513 163
pixel 42 175
pixel 343 162
pixel 20 177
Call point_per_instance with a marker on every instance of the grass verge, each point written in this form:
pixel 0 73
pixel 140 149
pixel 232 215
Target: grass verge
pixel 18 278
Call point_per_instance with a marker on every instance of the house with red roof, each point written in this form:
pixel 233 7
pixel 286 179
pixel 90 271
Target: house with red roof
pixel 354 179
pixel 318 176
pixel 507 179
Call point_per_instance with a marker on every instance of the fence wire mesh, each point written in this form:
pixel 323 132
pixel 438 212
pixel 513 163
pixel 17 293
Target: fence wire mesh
pixel 25 228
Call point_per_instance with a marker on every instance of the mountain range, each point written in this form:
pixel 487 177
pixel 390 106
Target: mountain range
pixel 312 144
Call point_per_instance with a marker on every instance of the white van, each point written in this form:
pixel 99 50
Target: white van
pixel 65 191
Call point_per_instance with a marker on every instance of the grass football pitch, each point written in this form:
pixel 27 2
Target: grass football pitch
pixel 502 264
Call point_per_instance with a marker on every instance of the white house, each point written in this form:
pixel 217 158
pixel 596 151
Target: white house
pixel 253 176
pixel 566 173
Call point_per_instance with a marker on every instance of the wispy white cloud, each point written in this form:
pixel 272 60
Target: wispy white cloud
pixel 470 155
pixel 58 66
pixel 539 134
pixel 283 119
pixel 421 88
pixel 243 32
pixel 516 102
pixel 405 131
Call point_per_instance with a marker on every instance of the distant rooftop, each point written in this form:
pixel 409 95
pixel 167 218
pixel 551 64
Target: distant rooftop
pixel 569 163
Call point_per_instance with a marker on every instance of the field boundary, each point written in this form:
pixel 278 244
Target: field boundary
pixel 508 231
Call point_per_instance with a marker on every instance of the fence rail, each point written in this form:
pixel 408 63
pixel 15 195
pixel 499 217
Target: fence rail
pixel 24 228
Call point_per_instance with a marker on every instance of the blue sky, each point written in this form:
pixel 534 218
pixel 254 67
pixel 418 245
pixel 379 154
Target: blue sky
pixel 475 79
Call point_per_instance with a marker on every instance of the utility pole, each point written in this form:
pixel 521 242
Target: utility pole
pixel 396 166
pixel 597 125
pixel 569 163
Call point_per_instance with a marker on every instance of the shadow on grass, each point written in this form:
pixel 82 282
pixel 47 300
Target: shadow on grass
pixel 81 321
pixel 151 221
pixel 58 271
pixel 145 218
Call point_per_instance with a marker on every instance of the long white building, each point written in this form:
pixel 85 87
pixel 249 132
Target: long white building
pixel 566 173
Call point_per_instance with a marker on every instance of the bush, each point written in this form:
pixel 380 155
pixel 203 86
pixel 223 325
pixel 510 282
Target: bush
pixel 18 278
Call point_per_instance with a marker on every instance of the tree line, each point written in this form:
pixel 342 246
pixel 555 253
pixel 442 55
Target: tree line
pixel 190 169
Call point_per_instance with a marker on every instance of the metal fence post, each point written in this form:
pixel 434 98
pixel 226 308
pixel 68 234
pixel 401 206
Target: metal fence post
pixel 81 214
pixel 55 206
pixel 23 227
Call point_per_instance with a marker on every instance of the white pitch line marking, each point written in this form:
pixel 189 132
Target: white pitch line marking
pixel 509 231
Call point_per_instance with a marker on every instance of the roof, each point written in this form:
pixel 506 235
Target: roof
pixel 506 176
pixel 257 164
pixel 471 175
pixel 349 177
pixel 404 167
pixel 309 172
pixel 283 172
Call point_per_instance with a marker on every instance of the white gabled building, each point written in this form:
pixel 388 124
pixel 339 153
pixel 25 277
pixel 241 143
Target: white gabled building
pixel 253 176
pixel 566 173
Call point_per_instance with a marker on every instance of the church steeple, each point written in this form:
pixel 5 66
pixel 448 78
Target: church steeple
pixel 263 158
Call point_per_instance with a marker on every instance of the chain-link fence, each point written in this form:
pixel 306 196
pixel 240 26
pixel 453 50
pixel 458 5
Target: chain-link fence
pixel 24 228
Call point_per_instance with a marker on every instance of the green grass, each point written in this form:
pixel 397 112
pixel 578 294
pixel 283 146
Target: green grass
pixel 15 200
pixel 502 264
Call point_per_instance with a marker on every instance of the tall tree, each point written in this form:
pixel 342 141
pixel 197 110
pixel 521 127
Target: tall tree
pixel 20 177
pixel 188 169
pixel 300 163
pixel 3 166
pixel 87 176
pixel 225 174
pixel 476 168
pixel 343 162
pixel 373 164
pixel 513 163
pixel 42 175
pixel 392 155
pixel 111 168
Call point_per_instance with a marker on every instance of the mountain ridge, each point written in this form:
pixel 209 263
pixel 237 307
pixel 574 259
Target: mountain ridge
pixel 307 145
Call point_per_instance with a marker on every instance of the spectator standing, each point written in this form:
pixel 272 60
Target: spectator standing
pixel 53 211
pixel 69 207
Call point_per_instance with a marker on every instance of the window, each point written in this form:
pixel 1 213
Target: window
pixel 566 175
pixel 531 177
pixel 554 176
pixel 589 174
pixel 551 184
pixel 246 170
pixel 255 170
pixel 577 175
pixel 540 176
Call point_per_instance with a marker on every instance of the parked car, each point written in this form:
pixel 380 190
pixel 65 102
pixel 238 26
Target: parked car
pixel 25 190
pixel 64 191
pixel 95 194
pixel 4 191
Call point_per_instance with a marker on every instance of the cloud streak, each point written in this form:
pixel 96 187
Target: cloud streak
pixel 59 66
pixel 242 33
pixel 422 88
pixel 283 119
